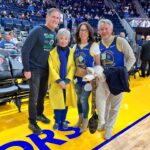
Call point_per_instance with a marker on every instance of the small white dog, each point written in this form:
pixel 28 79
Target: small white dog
pixel 96 71
pixel 102 91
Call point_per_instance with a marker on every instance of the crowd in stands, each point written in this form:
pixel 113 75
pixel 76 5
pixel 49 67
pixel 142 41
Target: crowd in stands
pixel 25 14
pixel 125 8
pixel 146 6
pixel 82 10
pixel 32 12
pixel 23 9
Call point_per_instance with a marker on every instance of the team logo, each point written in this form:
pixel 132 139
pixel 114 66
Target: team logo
pixel 108 58
pixel 80 60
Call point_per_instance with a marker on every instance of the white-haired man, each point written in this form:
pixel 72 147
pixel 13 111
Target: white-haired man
pixel 115 52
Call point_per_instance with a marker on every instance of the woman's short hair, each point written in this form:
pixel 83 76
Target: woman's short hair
pixel 63 32
pixel 90 32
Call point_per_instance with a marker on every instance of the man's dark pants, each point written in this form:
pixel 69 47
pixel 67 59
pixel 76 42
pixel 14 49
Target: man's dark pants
pixel 143 67
pixel 38 88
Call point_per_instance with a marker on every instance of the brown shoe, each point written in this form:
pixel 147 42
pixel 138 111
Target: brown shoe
pixel 84 125
pixel 79 123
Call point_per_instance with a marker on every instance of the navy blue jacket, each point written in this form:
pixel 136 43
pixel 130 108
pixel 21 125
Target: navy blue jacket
pixel 117 79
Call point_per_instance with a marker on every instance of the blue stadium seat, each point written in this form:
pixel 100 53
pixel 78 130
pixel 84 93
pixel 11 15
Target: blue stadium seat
pixel 8 89
pixel 17 23
pixel 7 23
pixel 26 25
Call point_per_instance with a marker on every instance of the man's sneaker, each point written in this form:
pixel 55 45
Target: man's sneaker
pixel 56 126
pixel 35 128
pixel 65 125
pixel 108 133
pixel 43 118
pixel 101 127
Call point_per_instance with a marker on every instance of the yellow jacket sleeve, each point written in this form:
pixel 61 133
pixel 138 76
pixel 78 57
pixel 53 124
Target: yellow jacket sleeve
pixel 54 75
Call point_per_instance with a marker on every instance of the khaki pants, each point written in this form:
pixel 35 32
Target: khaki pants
pixel 113 104
pixel 107 105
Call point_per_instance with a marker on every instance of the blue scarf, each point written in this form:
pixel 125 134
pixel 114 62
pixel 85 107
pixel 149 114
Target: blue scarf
pixel 63 57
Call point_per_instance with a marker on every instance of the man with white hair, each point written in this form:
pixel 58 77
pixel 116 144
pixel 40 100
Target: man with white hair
pixel 115 52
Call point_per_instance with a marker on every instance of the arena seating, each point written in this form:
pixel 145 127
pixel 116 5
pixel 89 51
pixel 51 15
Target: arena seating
pixel 10 87
pixel 26 24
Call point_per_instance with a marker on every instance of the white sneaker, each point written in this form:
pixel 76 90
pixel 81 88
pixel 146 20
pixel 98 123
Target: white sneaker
pixel 108 133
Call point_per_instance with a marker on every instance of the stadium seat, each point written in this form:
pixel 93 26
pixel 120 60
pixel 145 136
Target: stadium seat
pixel 18 24
pixel 26 25
pixel 8 89
pixel 13 86
pixel 20 82
pixel 7 23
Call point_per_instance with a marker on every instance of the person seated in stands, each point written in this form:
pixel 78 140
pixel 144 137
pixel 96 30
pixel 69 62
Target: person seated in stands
pixel 30 7
pixel 38 13
pixel 96 17
pixel 27 16
pixel 32 13
pixel 19 3
pixel 4 14
pixel 8 45
pixel 11 14
pixel 22 16
pixel 42 12
pixel 13 37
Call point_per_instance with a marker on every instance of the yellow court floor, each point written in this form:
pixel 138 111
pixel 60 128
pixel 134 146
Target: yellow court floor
pixel 14 126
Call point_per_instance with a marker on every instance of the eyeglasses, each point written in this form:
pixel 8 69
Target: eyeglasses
pixel 83 30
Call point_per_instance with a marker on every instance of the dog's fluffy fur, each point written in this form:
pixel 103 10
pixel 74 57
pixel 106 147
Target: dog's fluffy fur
pixel 102 91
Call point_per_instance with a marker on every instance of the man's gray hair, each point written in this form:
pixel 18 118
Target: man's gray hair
pixel 63 32
pixel 49 11
pixel 105 21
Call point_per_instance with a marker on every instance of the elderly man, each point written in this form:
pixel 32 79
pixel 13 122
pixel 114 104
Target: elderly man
pixel 8 45
pixel 115 53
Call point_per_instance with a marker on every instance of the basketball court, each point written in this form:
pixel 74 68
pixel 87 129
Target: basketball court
pixel 135 111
